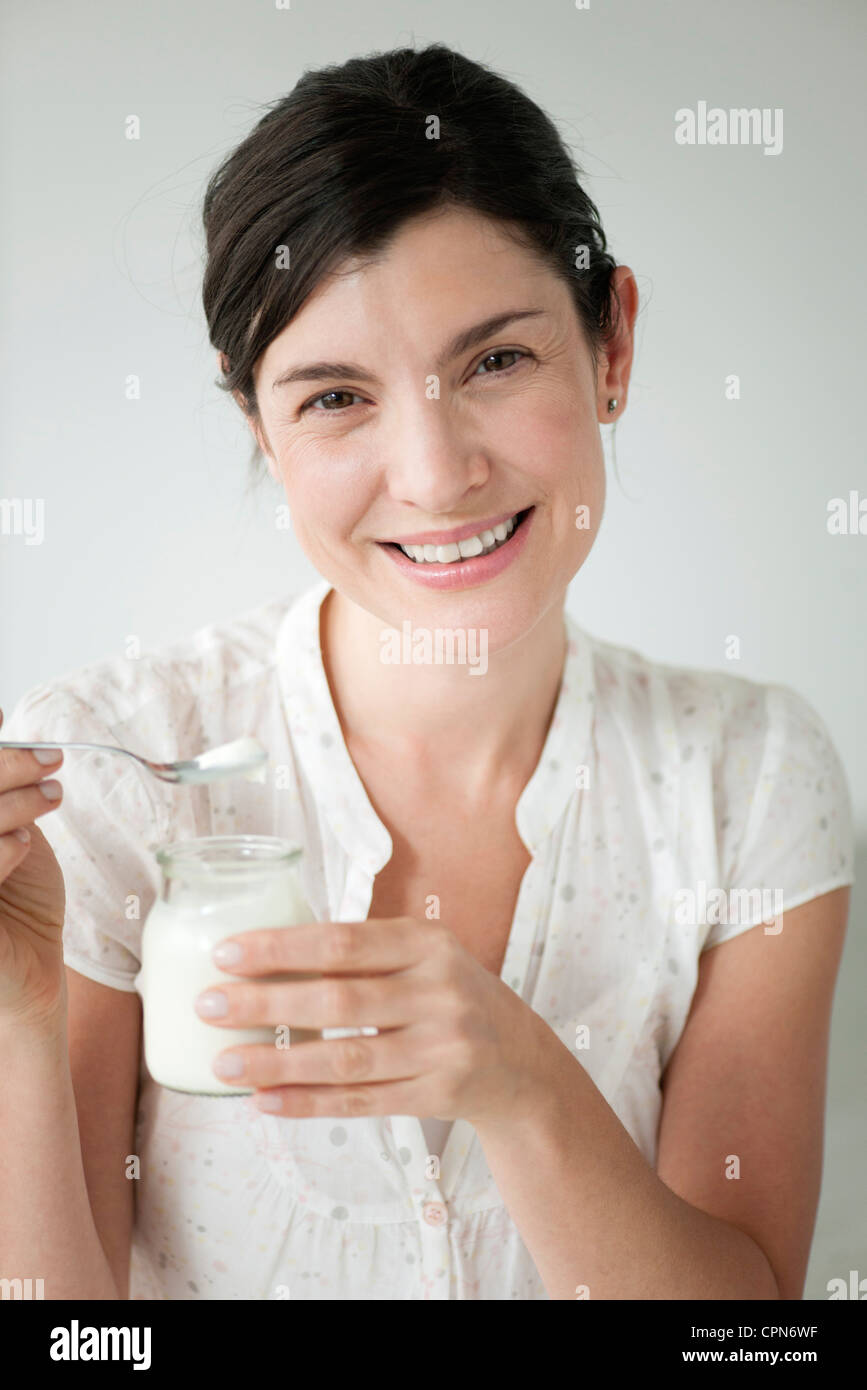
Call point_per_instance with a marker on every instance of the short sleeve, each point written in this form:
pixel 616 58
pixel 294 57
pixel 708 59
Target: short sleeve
pixel 103 835
pixel 785 829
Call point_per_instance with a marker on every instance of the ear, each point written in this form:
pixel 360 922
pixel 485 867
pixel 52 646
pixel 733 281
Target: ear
pixel 255 429
pixel 616 365
pixel 271 462
pixel 262 443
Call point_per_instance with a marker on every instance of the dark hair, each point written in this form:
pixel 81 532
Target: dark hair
pixel 333 169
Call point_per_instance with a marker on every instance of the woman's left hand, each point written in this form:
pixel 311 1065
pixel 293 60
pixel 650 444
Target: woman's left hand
pixel 454 1040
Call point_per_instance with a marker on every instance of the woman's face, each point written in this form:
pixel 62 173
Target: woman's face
pixel 422 439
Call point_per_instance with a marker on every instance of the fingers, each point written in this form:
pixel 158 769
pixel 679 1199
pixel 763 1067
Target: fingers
pixel 354 947
pixel 339 1102
pixel 332 1002
pixel 13 848
pixel 22 805
pixel 335 1061
pixel 20 767
pixel 23 797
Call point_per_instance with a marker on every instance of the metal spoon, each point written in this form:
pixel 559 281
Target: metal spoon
pixel 245 757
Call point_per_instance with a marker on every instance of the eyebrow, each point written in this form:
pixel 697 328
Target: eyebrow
pixel 462 342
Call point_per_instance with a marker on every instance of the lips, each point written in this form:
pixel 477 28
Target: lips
pixel 480 543
pixel 464 572
pixel 456 547
pixel 455 534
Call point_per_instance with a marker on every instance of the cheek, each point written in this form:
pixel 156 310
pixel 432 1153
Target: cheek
pixel 327 487
pixel 320 478
pixel 553 438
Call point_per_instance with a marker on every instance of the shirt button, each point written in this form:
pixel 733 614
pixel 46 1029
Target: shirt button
pixel 435 1213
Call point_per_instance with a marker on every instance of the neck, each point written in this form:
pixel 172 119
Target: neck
pixel 440 720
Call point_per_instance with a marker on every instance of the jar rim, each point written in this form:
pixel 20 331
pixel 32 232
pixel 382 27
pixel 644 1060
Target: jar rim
pixel 231 854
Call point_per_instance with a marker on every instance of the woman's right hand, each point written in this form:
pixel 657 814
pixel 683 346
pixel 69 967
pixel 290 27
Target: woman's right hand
pixel 32 893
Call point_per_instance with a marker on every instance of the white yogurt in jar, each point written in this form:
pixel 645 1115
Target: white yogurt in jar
pixel 212 888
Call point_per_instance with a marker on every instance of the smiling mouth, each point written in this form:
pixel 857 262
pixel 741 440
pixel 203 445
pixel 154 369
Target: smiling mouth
pixel 485 543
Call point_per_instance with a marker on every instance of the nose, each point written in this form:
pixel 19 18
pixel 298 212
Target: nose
pixel 434 459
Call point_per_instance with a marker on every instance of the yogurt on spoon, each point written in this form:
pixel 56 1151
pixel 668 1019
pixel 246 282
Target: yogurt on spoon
pixel 244 757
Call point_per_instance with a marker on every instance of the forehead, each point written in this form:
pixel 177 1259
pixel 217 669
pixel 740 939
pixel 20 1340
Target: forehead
pixel 439 271
pixel 447 245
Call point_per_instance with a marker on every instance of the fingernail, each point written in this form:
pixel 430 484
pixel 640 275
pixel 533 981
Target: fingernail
pixel 212 1004
pixel 46 755
pixel 227 953
pixel 228 1064
pixel 51 789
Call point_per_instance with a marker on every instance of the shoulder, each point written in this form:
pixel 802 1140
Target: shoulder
pixel 736 722
pixel 744 774
pixel 216 662
pixel 663 696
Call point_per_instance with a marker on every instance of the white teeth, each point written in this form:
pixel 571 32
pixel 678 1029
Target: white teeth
pixel 462 550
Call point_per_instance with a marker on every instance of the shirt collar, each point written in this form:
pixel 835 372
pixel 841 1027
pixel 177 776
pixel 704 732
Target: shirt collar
pixel 567 745
pixel 318 738
pixel 337 788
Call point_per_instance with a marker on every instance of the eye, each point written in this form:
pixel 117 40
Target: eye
pixel 326 395
pixel 334 409
pixel 501 352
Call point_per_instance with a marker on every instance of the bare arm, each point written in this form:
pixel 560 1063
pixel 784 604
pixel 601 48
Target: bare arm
pixel 748 1079
pixel 104 1031
pixel 65 1217
pixel 47 1230
pixel 47 1225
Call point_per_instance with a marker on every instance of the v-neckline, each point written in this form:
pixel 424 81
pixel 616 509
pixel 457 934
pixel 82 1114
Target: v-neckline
pixel 342 798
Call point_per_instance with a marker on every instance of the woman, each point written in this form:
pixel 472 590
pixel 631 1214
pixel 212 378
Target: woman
pixel 585 1082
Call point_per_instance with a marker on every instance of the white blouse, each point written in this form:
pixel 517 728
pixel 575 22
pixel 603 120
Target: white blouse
pixel 694 783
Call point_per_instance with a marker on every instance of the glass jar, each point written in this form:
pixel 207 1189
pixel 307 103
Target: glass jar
pixel 212 887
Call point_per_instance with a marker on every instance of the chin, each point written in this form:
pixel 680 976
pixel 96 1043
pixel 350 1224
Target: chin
pixel 505 616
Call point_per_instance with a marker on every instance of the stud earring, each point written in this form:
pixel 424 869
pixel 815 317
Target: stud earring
pixel 612 405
